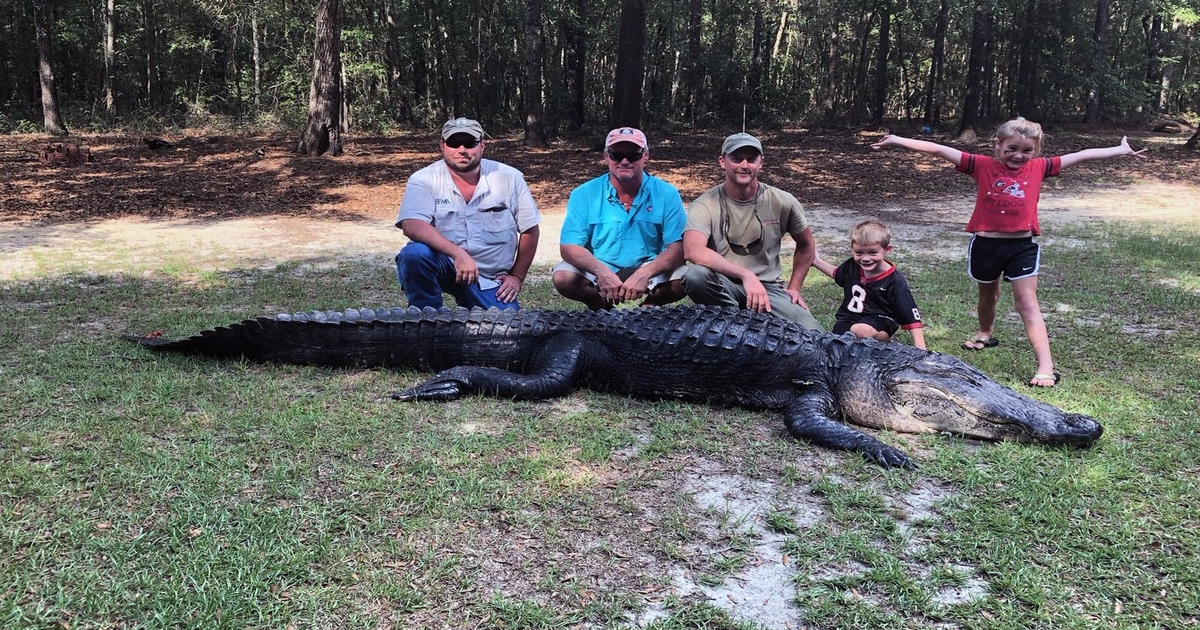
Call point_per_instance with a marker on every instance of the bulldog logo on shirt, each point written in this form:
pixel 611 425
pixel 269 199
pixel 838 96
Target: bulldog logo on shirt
pixel 1008 186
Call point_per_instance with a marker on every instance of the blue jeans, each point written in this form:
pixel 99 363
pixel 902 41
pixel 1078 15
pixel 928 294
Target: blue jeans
pixel 425 274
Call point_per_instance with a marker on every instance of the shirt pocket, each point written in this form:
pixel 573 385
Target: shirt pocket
pixel 451 223
pixel 648 229
pixel 497 224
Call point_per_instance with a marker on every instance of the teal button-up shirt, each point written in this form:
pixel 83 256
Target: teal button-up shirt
pixel 597 221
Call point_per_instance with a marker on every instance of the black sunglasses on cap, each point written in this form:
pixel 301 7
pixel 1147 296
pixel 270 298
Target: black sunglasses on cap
pixel 459 141
pixel 632 156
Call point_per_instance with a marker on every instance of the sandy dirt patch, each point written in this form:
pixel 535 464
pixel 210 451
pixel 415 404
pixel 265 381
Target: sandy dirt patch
pixel 225 243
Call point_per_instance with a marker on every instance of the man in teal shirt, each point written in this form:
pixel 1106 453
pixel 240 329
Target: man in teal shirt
pixel 622 236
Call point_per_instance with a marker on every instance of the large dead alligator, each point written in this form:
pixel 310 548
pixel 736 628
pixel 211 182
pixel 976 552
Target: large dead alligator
pixel 723 356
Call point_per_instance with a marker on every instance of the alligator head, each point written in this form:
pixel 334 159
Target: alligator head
pixel 904 389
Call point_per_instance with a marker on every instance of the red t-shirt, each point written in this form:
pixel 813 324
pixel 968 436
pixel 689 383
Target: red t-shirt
pixel 1007 199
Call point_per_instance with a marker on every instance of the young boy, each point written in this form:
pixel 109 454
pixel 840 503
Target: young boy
pixel 877 301
pixel 1005 223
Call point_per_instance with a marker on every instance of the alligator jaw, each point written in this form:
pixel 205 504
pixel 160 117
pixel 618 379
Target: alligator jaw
pixel 983 409
pixel 900 389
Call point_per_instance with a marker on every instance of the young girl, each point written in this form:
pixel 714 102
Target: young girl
pixel 1004 223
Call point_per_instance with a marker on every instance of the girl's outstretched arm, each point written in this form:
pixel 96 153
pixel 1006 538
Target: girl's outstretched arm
pixel 1099 154
pixel 949 154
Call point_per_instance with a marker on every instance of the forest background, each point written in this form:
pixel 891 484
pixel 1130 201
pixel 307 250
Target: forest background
pixel 559 67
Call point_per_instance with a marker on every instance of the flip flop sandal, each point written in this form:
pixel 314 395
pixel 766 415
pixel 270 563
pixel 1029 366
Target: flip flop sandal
pixel 988 342
pixel 1044 377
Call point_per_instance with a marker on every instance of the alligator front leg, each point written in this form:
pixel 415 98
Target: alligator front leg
pixel 807 420
pixel 553 372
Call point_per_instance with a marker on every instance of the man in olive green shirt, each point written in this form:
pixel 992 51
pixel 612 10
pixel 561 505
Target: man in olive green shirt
pixel 733 236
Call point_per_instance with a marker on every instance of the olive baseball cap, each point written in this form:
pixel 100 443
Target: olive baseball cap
pixel 739 140
pixel 462 125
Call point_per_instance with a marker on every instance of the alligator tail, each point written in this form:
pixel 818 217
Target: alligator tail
pixel 411 338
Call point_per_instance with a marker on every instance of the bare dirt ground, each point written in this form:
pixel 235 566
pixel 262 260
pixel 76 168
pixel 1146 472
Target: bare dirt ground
pixel 247 201
pixel 236 199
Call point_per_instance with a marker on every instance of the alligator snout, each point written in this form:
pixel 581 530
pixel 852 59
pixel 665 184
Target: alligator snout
pixel 1077 430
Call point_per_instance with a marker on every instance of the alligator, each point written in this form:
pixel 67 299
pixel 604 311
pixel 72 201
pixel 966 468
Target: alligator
pixel 705 354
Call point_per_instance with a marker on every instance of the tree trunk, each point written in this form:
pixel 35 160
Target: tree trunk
pixel 324 130
pixel 779 33
pixel 256 51
pixel 51 121
pixel 831 76
pixel 233 67
pixel 344 119
pixel 881 60
pixel 1099 63
pixel 907 93
pixel 1191 143
pixel 861 63
pixel 1187 68
pixel 574 72
pixel 692 68
pixel 1152 26
pixel 989 104
pixel 974 88
pixel 420 50
pixel 535 46
pixel 933 110
pixel 110 100
pixel 1025 86
pixel 758 65
pixel 150 49
pixel 631 64
pixel 398 102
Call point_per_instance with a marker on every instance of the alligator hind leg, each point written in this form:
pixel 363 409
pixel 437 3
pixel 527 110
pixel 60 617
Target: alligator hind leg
pixel 553 372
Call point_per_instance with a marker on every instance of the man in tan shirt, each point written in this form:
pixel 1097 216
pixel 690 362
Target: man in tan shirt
pixel 733 236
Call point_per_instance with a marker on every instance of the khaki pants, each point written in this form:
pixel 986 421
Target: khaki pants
pixel 705 286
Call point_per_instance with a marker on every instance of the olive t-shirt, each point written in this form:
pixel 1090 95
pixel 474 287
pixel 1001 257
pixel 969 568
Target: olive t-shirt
pixel 748 233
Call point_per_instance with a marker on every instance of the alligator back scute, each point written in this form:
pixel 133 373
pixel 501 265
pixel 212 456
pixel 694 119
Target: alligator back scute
pixel 691 353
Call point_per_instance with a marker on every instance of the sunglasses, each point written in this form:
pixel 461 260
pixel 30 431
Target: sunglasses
pixel 754 246
pixel 457 143
pixel 738 159
pixel 618 156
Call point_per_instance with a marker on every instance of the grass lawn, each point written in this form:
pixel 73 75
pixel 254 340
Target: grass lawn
pixel 154 492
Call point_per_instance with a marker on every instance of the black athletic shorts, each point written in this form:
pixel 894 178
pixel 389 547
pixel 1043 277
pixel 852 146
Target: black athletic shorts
pixel 878 322
pixel 1013 258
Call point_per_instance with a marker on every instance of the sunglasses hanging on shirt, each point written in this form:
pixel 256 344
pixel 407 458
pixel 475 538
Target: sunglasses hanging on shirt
pixel 755 246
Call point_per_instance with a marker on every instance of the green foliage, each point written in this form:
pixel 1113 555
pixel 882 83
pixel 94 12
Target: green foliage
pixel 410 64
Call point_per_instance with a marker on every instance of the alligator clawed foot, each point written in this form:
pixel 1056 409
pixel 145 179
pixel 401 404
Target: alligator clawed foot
pixel 433 391
pixel 889 457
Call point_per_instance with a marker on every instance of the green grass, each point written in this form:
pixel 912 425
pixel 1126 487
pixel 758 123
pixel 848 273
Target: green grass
pixel 150 491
